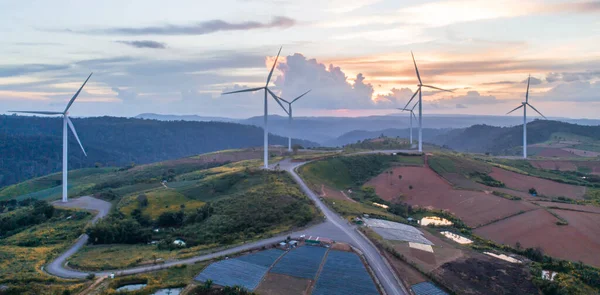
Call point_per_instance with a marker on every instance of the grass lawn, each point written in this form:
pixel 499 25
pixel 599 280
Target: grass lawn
pixel 160 200
pixel 21 265
pixel 411 160
pixel 102 257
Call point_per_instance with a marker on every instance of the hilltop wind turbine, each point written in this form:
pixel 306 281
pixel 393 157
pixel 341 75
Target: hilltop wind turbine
pixel 265 127
pixel 524 106
pixel 412 114
pixel 289 112
pixel 66 121
pixel 420 102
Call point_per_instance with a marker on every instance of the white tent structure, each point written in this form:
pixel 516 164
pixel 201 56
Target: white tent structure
pixel 66 121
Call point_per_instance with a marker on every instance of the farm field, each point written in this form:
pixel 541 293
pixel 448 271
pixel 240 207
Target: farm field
pixel 160 200
pixel 423 187
pixel 542 231
pixel 583 208
pixel 592 167
pixel 544 187
pixel 277 272
pixel 458 267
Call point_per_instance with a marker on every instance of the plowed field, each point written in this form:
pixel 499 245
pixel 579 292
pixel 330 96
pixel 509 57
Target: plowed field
pixel 544 187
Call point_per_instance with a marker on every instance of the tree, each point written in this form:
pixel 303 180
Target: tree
pixel 296 147
pixel 142 200
pixel 533 191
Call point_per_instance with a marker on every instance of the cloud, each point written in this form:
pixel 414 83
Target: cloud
pixel 578 91
pixel 500 83
pixel 533 81
pixel 461 106
pixel 331 88
pixel 201 28
pixel 572 76
pixel 144 44
pixel 471 98
pixel 396 98
pixel 11 71
pixel 125 94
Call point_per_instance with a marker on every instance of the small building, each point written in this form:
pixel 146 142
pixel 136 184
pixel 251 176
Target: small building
pixel 293 243
pixel 548 275
pixel 179 243
pixel 357 220
pixel 410 219
pixel 282 244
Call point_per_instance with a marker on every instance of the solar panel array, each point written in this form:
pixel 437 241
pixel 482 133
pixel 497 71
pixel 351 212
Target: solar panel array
pixel 427 288
pixel 344 273
pixel 302 262
pixel 246 271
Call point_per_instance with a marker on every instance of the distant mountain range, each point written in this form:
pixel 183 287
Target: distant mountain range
pixel 32 146
pixel 326 130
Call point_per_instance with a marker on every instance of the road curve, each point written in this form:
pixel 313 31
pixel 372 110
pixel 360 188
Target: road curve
pixel 334 227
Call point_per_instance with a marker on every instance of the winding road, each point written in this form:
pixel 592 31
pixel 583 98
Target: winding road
pixel 334 227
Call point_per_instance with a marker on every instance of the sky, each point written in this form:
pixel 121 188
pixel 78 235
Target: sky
pixel 178 57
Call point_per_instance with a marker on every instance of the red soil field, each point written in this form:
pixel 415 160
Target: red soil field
pixel 554 165
pixel 555 153
pixel 430 190
pixel 583 208
pixel 327 192
pixel 544 187
pixel 538 228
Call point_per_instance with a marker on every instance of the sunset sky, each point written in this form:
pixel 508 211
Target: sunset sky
pixel 177 57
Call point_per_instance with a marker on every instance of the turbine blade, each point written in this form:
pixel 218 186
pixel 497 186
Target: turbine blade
pixel 273 68
pixel 414 106
pixel 413 114
pixel 416 69
pixel 276 98
pixel 274 95
pixel 245 90
pixel 37 112
pixel 536 110
pixel 297 98
pixel 75 133
pixel 429 86
pixel 77 93
pixel 527 93
pixel 515 109
pixel 413 97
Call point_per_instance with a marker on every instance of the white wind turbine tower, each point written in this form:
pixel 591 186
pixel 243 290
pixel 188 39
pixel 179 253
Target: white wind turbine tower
pixel 524 106
pixel 66 121
pixel 412 114
pixel 420 102
pixel 289 112
pixel 265 127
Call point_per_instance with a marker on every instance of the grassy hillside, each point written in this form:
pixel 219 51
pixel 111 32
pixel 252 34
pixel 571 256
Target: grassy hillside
pixel 380 143
pixel 128 179
pixel 31 146
pixel 506 140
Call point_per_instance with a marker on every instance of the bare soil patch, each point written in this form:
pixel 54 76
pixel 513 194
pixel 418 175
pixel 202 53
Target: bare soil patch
pixel 461 182
pixel 555 153
pixel 443 252
pixel 341 247
pixel 330 193
pixel 405 271
pixel 538 228
pixel 278 284
pixel 582 153
pixel 554 165
pixel 430 190
pixel 582 208
pixel 544 187
pixel 478 274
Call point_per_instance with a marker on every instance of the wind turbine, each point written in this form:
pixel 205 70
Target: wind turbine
pixel 420 102
pixel 412 114
pixel 524 106
pixel 265 127
pixel 66 121
pixel 289 112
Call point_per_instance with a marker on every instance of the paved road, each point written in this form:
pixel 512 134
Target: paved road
pixel 381 268
pixel 334 227
pixel 56 267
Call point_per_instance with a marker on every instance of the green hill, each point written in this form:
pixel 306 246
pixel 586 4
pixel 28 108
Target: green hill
pixel 32 146
pixel 509 140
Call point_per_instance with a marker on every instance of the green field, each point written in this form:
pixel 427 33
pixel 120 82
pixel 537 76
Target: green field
pixel 160 200
pixel 23 254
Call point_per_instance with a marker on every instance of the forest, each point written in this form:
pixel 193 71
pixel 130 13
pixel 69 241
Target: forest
pixel 32 146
